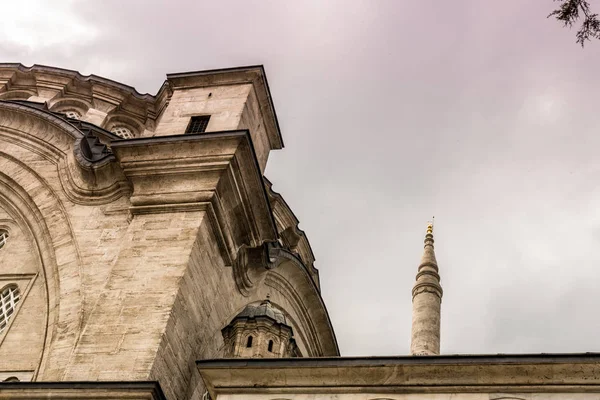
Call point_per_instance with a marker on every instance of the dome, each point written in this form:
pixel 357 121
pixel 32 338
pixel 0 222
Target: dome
pixel 264 309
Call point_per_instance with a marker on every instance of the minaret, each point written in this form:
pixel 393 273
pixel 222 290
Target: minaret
pixel 427 300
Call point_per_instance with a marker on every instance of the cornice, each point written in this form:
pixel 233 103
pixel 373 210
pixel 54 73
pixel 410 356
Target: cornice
pixel 541 373
pixel 60 85
pixel 216 172
pixel 73 75
pixel 150 390
pixel 427 287
pixel 292 236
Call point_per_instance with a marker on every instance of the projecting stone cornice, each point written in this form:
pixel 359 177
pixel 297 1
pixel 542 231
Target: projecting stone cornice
pixel 541 373
pixel 11 72
pixel 215 172
pixel 58 84
pixel 150 390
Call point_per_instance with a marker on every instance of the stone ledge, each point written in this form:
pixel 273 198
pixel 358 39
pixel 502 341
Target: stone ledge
pixel 531 373
pixel 82 390
pixel 217 172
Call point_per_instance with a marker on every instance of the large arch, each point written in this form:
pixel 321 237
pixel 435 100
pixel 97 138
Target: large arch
pixel 293 279
pixel 58 141
pixel 38 177
pixel 270 269
pixel 42 216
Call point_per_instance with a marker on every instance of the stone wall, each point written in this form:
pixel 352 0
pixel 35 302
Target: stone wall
pixel 224 104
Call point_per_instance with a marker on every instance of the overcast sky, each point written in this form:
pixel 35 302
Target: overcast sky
pixel 482 113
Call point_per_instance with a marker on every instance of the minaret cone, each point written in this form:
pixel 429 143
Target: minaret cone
pixel 427 301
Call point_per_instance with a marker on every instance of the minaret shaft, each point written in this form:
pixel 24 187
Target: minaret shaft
pixel 427 300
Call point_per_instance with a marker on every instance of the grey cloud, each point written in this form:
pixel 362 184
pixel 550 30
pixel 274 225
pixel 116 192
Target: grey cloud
pixel 482 113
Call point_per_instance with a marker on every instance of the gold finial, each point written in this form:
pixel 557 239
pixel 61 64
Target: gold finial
pixel 430 226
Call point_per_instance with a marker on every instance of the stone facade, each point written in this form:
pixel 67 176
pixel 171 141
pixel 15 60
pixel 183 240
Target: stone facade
pixel 133 249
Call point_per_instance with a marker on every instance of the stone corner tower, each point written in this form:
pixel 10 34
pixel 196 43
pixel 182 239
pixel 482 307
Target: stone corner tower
pixel 427 300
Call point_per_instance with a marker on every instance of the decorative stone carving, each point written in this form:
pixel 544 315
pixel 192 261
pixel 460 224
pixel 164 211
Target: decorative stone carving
pixel 252 264
pixel 292 237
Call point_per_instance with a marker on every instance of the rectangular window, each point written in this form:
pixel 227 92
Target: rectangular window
pixel 198 124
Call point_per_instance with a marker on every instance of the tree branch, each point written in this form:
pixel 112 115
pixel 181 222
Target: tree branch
pixel 569 12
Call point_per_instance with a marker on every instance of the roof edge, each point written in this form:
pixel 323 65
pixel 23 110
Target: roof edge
pixel 519 373
pixel 24 390
pixel 76 74
pixel 336 362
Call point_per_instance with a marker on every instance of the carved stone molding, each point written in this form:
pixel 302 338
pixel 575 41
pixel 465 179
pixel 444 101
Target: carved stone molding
pixel 24 282
pixel 62 85
pixel 427 287
pixel 57 140
pixel 64 303
pixel 252 264
pixel 148 390
pixel 292 237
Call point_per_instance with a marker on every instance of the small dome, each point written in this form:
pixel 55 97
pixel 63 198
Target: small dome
pixel 264 309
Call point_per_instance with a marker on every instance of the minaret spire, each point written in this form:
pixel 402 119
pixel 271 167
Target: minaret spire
pixel 427 301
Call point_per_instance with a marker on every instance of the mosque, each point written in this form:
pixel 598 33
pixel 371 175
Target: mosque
pixel 144 255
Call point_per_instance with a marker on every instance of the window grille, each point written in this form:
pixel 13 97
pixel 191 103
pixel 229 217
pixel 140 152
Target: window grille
pixel 122 132
pixel 74 114
pixel 3 238
pixel 198 124
pixel 9 298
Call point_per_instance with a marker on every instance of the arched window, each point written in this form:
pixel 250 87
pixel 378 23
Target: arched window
pixel 270 348
pixel 16 95
pixel 249 342
pixel 70 107
pixel 73 114
pixel 9 298
pixel 3 237
pixel 11 379
pixel 122 131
